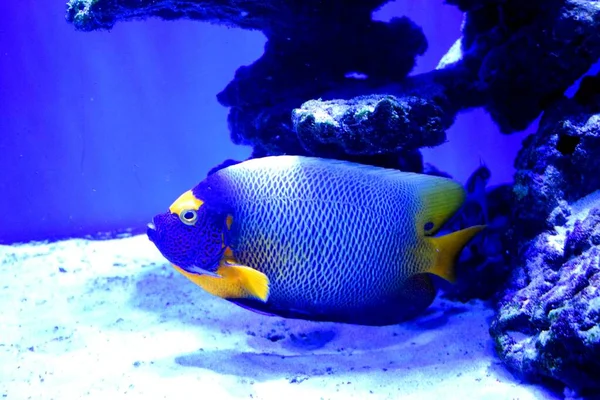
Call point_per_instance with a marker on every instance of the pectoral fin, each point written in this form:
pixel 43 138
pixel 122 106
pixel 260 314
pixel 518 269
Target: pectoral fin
pixel 233 281
pixel 252 282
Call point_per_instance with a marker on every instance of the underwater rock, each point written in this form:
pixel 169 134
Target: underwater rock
pixel 559 163
pixel 268 16
pixel 392 120
pixel 514 59
pixel 312 48
pixel 548 322
pixel 296 69
pixel 368 124
pixel 526 54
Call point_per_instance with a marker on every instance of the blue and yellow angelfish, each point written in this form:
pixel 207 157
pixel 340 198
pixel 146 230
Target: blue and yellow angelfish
pixel 315 239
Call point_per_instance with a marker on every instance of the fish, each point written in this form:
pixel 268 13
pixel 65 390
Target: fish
pixel 315 238
pixel 474 211
pixel 476 193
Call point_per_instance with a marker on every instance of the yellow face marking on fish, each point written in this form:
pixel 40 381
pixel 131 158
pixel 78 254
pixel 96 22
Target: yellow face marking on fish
pixel 186 201
pixel 186 207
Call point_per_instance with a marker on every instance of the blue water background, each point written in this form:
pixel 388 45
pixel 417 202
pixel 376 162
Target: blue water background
pixel 101 130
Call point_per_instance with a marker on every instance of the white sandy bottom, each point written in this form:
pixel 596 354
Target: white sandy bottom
pixel 119 322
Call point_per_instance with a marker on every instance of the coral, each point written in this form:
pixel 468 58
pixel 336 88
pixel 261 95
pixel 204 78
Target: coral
pixel 548 322
pixel 559 162
pixel 367 124
pixel 537 49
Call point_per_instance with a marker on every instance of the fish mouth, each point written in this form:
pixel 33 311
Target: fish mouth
pixel 151 226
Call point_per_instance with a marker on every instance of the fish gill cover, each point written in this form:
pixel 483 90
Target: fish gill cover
pixel 333 83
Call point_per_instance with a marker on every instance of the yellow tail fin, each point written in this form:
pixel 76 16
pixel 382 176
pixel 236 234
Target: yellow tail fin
pixel 447 249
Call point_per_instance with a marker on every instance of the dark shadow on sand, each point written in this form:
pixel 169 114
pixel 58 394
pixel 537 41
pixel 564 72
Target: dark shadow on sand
pixel 285 348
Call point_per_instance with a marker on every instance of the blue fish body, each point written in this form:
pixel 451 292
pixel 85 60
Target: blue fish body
pixel 338 241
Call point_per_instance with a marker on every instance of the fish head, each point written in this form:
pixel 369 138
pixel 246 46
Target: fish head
pixel 190 235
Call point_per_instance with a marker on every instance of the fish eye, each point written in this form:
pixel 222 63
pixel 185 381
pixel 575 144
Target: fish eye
pixel 188 217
